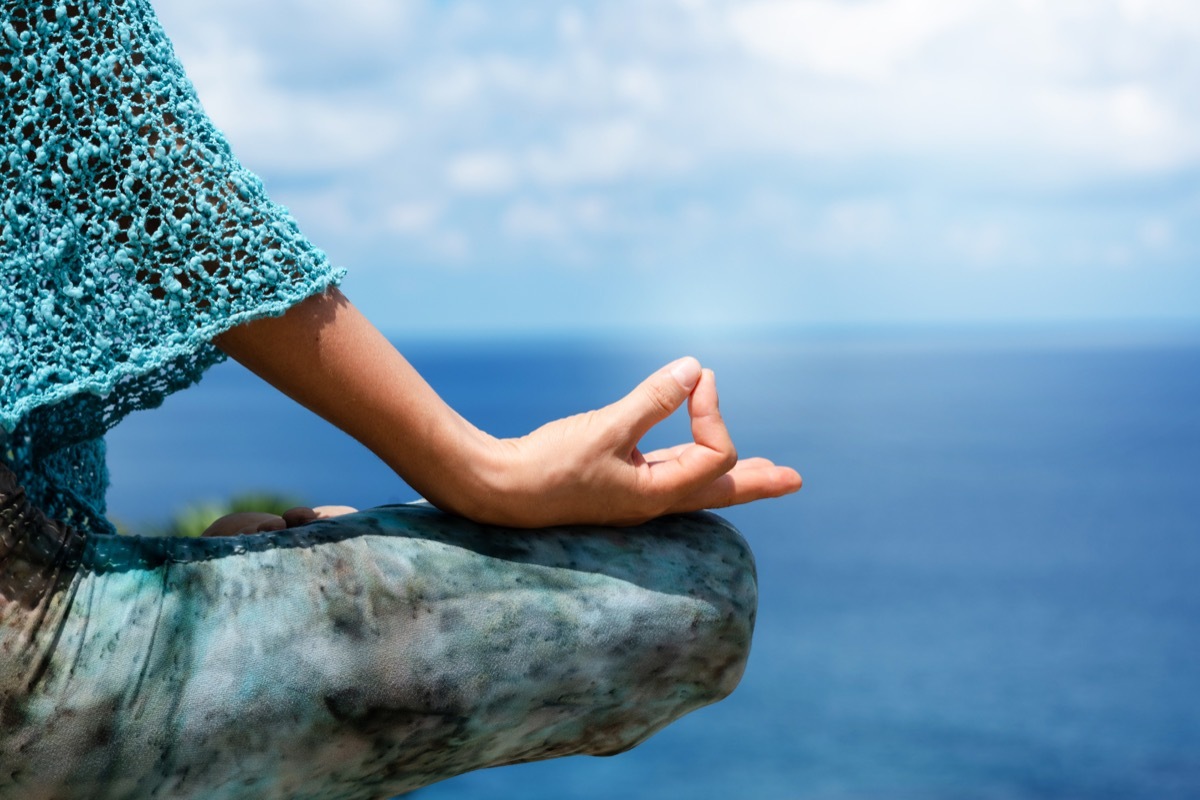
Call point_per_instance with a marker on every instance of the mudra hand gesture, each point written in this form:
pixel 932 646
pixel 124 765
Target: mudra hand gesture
pixel 587 468
pixel 584 469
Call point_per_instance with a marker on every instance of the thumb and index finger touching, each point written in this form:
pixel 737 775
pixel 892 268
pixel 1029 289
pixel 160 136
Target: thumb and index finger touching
pixel 657 397
pixel 711 455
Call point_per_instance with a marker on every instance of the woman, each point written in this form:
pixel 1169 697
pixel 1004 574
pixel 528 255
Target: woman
pixel 357 656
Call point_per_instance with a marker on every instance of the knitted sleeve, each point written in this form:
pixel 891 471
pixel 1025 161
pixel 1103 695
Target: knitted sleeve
pixel 129 234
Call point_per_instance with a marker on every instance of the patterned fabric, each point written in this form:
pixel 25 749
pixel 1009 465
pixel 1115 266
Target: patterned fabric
pixel 129 237
pixel 353 658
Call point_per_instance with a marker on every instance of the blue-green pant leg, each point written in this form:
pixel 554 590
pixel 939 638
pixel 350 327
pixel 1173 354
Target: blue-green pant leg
pixel 382 651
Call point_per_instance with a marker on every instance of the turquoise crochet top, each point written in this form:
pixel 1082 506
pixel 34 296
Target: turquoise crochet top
pixel 129 237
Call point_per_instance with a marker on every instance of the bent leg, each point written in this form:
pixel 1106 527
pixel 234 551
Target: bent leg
pixel 369 655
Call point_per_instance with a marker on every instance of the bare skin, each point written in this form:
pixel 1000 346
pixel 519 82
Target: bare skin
pixel 584 469
pixel 262 522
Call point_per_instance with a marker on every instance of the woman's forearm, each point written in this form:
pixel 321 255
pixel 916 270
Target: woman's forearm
pixel 583 469
pixel 324 354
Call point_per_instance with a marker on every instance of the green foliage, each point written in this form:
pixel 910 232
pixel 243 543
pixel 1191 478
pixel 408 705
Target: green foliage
pixel 266 502
pixel 194 519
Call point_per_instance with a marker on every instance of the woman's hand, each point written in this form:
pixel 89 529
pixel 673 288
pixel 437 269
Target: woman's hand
pixel 584 469
pixel 244 522
pixel 588 469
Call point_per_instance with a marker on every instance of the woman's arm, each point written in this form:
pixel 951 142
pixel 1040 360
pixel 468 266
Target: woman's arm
pixel 327 356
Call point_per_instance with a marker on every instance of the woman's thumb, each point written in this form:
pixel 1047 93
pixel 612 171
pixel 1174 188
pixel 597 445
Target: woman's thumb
pixel 657 397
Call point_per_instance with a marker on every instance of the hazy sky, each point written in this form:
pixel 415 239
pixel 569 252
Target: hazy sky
pixel 698 163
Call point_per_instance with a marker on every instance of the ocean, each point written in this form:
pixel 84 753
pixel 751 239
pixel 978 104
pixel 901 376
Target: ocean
pixel 988 588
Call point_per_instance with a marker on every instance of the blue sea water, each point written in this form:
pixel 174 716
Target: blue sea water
pixel 988 588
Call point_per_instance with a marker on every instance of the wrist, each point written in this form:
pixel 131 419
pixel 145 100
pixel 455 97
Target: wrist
pixel 465 471
pixel 505 484
pixel 493 490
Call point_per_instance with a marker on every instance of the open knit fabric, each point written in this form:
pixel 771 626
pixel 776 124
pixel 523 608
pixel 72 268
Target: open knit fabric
pixel 129 237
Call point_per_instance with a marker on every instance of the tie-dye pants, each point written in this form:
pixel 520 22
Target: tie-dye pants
pixel 359 657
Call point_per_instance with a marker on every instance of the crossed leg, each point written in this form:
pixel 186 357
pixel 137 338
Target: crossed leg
pixel 364 656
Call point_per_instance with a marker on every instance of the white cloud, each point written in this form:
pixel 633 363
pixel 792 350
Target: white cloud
pixel 525 220
pixel 859 225
pixel 981 243
pixel 274 127
pixel 599 151
pixel 1155 234
pixel 675 131
pixel 412 218
pixel 1122 126
pixel 1081 89
pixel 481 172
pixel 639 85
pixel 1104 83
pixel 860 41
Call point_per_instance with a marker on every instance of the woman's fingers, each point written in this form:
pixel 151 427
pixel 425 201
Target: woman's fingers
pixel 713 454
pixel 275 523
pixel 300 515
pixel 587 468
pixel 655 398
pixel 243 522
pixel 262 522
pixel 665 454
pixel 708 429
pixel 329 512
pixel 746 482
pixel 718 478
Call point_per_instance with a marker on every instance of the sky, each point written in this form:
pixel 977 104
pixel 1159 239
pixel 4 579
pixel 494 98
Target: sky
pixel 707 165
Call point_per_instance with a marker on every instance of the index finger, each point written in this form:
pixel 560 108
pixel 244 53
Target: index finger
pixel 711 455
